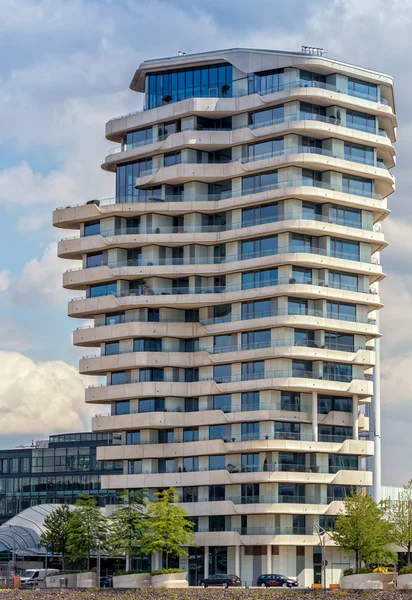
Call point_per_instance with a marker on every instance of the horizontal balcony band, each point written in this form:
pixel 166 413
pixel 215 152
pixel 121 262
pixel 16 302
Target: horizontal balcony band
pixel 224 137
pixel 223 477
pixel 290 90
pixel 100 365
pixel 297 220
pixel 109 393
pixel 278 343
pixel 263 504
pixel 286 187
pixel 238 257
pixel 171 418
pixel 210 297
pixel 289 150
pixel 211 173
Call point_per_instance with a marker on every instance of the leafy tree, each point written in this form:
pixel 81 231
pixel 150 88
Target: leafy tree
pixel 362 530
pixel 87 531
pixel 55 535
pixel 127 526
pixel 167 527
pixel 399 514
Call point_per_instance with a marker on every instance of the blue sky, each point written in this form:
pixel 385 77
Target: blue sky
pixel 65 71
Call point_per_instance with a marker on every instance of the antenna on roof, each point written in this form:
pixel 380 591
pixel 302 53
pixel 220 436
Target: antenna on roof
pixel 312 51
pixel 181 53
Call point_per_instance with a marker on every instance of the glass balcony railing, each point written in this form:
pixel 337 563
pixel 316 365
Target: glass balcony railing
pixel 297 116
pixel 261 499
pixel 279 343
pixel 284 374
pixel 268 155
pixel 302 182
pixel 213 260
pixel 298 83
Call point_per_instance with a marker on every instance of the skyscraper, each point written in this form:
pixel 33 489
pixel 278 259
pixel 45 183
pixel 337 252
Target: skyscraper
pixel 233 287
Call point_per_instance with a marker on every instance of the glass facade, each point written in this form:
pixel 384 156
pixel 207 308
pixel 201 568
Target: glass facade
pixel 164 87
pixel 57 473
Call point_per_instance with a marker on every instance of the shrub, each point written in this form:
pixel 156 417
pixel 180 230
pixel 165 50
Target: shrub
pixel 166 571
pixel 349 571
pixel 365 570
pixel 405 571
pixel 131 572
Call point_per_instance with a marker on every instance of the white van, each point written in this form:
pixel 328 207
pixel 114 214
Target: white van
pixel 33 577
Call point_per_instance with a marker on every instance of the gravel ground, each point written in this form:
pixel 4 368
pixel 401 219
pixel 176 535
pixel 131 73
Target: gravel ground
pixel 200 594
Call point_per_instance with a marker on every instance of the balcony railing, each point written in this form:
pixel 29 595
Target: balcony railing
pixel 231 194
pixel 144 230
pixel 240 256
pixel 264 156
pixel 282 499
pixel 298 116
pixel 295 374
pixel 298 83
pixel 244 347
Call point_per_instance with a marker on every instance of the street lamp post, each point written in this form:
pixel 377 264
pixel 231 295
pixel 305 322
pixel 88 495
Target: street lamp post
pixel 322 533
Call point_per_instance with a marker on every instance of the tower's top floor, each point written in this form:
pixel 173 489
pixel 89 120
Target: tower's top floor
pixel 238 72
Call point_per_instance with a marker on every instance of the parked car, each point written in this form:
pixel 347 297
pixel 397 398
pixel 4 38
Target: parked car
pixel 221 580
pixel 274 580
pixel 106 581
pixel 33 577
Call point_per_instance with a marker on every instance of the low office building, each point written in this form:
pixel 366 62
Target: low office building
pixel 233 284
pixel 55 471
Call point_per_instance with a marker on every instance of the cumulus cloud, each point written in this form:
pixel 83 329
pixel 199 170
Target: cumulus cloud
pixel 41 397
pixel 4 280
pixel 40 280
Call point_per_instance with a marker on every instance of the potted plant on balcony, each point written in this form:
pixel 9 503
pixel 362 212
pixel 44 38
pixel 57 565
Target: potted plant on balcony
pixel 224 89
pixel 166 99
pixel 94 201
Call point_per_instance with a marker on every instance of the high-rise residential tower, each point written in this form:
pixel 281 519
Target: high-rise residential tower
pixel 233 286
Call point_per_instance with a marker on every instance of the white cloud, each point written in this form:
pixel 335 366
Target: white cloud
pixel 41 397
pixel 40 280
pixel 4 280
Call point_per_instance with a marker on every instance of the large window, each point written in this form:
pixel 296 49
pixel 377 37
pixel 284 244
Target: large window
pixel 304 243
pixel 267 116
pixel 256 339
pixel 135 467
pixel 350 217
pixel 216 492
pixel 147 345
pixel 122 407
pixel 266 82
pixel 252 184
pixel 259 247
pixel 357 185
pixel 119 377
pixel 253 370
pixel 91 228
pixel 344 249
pixel 359 120
pixel 285 430
pixel 328 403
pixel 102 289
pixel 250 462
pixel 222 402
pixel 256 309
pixel 311 111
pixel 337 371
pixel 151 405
pixel 218 432
pixel 250 431
pixel 341 310
pixel 222 373
pixel 132 437
pixel 111 348
pixel 152 374
pixel 359 153
pixel 222 343
pixel 250 401
pixel 170 86
pixel 217 462
pixel 264 213
pixel 362 89
pixel 302 368
pixel 338 462
pixel 126 175
pixel 334 433
pixel 139 137
pixel 190 463
pixel 257 279
pixel 115 318
pixel 297 306
pixel 290 401
pixel 265 149
pixel 339 341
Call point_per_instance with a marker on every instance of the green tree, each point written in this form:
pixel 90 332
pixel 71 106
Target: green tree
pixel 168 528
pixel 362 530
pixel 399 514
pixel 56 532
pixel 87 531
pixel 127 526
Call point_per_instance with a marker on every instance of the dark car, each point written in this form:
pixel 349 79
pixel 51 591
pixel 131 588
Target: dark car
pixel 221 580
pixel 274 580
pixel 106 581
